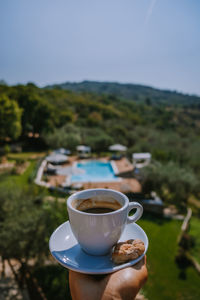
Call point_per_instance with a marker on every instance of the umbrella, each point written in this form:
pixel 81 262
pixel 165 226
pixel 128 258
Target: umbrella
pixel 144 155
pixel 83 148
pixel 57 158
pixel 118 147
pixel 62 151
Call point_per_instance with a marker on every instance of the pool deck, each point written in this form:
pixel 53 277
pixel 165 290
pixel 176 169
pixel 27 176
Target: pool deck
pixel 123 185
pixel 123 165
pixel 126 185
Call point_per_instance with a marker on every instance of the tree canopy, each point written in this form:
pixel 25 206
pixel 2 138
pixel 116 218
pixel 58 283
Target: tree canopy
pixel 10 118
pixel 64 118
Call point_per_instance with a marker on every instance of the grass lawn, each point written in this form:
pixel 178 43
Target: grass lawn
pixel 26 155
pixel 194 231
pixel 165 281
pixel 8 180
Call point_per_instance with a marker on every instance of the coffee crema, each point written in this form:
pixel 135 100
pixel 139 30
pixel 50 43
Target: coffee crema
pixel 97 206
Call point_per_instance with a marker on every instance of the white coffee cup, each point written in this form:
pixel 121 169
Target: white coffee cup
pixel 98 233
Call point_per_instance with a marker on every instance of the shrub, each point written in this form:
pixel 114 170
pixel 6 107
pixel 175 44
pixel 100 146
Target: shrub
pixel 67 136
pixel 173 183
pixel 6 149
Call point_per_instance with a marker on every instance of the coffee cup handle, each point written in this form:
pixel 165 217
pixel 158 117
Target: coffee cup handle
pixel 137 214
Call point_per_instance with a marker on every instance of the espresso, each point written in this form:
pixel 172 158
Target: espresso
pixel 97 206
pixel 98 210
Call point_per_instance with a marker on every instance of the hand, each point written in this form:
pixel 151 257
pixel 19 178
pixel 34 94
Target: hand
pixel 121 285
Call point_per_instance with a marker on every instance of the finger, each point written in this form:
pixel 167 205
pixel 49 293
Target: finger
pixel 140 264
pixel 83 286
pixel 145 259
pixel 75 277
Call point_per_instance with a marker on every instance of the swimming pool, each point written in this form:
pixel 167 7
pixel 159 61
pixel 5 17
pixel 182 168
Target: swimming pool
pixel 94 171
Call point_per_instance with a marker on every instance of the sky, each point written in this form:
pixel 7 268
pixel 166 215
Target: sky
pixel 150 42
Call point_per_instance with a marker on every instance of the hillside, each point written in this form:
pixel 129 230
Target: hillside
pixel 67 118
pixel 129 91
pixel 62 118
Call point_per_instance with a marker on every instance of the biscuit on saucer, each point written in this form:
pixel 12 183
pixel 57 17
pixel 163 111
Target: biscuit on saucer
pixel 126 251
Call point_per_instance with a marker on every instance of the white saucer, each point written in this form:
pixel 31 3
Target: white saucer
pixel 66 250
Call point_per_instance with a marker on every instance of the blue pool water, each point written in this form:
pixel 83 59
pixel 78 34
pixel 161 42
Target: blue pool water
pixel 94 171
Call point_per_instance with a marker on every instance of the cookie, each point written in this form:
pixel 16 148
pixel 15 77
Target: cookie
pixel 126 251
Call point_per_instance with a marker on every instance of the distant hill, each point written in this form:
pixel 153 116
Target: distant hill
pixel 129 91
pixel 2 82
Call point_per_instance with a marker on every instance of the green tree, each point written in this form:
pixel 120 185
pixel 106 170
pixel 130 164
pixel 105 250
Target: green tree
pixel 67 136
pixel 22 224
pixel 94 118
pixel 100 141
pixel 37 113
pixel 10 118
pixel 26 223
pixel 173 183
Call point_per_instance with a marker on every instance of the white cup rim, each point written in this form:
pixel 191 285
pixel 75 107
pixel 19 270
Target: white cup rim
pixel 75 196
